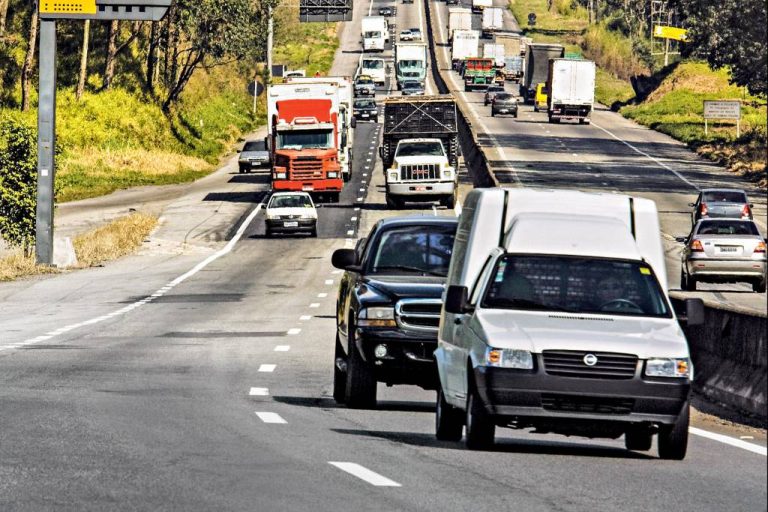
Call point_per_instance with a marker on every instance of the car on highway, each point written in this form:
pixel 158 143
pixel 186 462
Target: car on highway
pixel 416 34
pixel 491 92
pixel 721 202
pixel 724 251
pixel 388 306
pixel 540 98
pixel 364 86
pixel 291 212
pixel 254 155
pixel 504 103
pixel 366 109
pixel 412 88
pixel 386 11
pixel 406 35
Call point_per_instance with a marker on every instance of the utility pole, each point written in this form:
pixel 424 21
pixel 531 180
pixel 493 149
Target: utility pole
pixel 46 143
pixel 270 40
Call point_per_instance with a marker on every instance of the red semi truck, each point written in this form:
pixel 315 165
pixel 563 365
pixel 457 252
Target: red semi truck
pixel 303 135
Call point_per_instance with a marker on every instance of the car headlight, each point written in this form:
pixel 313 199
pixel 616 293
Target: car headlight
pixel 509 358
pixel 669 367
pixel 280 175
pixel 272 217
pixel 377 317
pixel 307 216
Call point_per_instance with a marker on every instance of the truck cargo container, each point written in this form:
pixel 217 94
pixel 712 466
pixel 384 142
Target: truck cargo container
pixel 496 52
pixel 537 59
pixel 465 44
pixel 493 20
pixel 410 62
pixel 459 18
pixel 570 90
pixel 511 42
pixel 479 5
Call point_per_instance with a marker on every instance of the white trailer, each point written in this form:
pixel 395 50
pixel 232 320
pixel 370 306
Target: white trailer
pixel 375 33
pixel 480 5
pixel 466 44
pixel 571 89
pixel 493 20
pixel 375 67
pixel 459 18
pixel 496 52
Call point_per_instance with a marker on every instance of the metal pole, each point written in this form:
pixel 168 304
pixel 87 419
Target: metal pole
pixel 666 52
pixel 270 42
pixel 46 143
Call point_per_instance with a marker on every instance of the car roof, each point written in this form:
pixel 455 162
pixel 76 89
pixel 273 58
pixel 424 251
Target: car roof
pixel 418 220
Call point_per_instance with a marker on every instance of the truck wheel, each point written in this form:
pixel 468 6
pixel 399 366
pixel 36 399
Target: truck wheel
pixel 480 427
pixel 313 233
pixel 333 197
pixel 450 201
pixel 361 382
pixel 339 377
pixel 242 169
pixel 393 203
pixel 346 176
pixel 759 286
pixel 449 421
pixel 638 440
pixel 673 439
pixel 268 233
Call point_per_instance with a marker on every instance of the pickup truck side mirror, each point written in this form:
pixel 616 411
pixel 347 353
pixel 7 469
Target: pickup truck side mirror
pixel 681 239
pixel 456 299
pixel 344 258
pixel 694 312
pixel 691 204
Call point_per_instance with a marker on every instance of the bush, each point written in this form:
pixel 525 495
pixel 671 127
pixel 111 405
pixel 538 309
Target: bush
pixel 18 182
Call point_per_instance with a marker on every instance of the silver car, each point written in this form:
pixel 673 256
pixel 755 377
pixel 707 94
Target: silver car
pixel 721 203
pixel 254 154
pixel 724 251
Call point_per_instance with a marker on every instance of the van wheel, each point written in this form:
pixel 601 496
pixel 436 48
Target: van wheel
pixel 449 421
pixel 339 377
pixel 480 427
pixel 361 382
pixel 673 439
pixel 759 286
pixel 639 440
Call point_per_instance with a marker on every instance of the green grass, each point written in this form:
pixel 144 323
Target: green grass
pixel 562 18
pixel 610 90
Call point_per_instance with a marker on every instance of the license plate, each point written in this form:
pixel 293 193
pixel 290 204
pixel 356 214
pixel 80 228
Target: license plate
pixel 420 189
pixel 364 115
pixel 291 224
pixel 307 188
pixel 728 249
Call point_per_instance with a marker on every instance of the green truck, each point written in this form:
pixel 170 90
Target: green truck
pixel 478 72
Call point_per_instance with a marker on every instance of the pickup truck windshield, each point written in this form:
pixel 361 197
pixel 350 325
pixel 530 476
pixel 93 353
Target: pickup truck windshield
pixel 255 146
pixel 304 139
pixel 575 285
pixel 419 149
pixel 413 249
pixel 373 64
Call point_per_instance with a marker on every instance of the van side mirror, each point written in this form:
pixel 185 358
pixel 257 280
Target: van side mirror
pixel 456 299
pixel 694 312
pixel 344 258
pixel 681 239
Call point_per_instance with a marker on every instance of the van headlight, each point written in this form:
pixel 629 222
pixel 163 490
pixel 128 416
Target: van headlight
pixel 669 367
pixel 377 317
pixel 509 358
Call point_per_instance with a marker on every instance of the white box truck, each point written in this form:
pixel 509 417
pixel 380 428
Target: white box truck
pixel 459 18
pixel 496 52
pixel 466 44
pixel 410 62
pixel 375 32
pixel 375 67
pixel 557 318
pixel 493 20
pixel 479 5
pixel 570 90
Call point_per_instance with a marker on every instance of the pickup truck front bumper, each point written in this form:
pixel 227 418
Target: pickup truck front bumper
pixel 409 359
pixel 422 189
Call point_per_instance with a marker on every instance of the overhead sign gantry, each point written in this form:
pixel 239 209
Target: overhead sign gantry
pixel 325 10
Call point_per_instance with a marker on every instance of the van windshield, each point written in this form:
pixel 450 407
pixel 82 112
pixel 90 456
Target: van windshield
pixel 575 285
pixel 372 34
pixel 373 64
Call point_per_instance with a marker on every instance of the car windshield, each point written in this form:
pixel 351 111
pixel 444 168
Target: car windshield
pixel 290 201
pixel 413 249
pixel 305 139
pixel 727 227
pixel 724 196
pixel 411 85
pixel 365 104
pixel 504 96
pixel 575 285
pixel 433 148
pixel 364 81
pixel 255 146
pixel 373 64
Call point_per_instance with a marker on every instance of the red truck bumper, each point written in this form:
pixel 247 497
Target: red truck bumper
pixel 327 185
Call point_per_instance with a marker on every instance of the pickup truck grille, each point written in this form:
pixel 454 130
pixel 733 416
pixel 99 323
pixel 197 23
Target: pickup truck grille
pixel 587 404
pixel 418 314
pixel 566 363
pixel 420 172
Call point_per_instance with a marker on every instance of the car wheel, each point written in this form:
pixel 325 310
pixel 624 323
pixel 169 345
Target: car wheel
pixel 673 439
pixel 313 234
pixel 480 429
pixel 515 114
pixel 268 233
pixel 690 284
pixel 638 440
pixel 449 421
pixel 759 286
pixel 339 377
pixel 242 169
pixel 360 392
pixel 450 201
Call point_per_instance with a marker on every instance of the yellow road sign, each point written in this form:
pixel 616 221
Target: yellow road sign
pixel 664 32
pixel 68 6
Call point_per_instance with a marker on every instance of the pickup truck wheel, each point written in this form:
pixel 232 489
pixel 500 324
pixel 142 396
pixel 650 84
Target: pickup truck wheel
pixel 450 201
pixel 480 427
pixel 268 233
pixel 673 439
pixel 688 283
pixel 759 286
pixel 393 203
pixel 639 440
pixel 242 169
pixel 448 420
pixel 361 382
pixel 339 377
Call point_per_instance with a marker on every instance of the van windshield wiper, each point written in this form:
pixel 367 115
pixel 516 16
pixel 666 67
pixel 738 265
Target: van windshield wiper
pixel 411 269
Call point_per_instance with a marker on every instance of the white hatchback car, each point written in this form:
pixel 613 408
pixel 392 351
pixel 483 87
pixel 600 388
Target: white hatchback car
pixel 291 212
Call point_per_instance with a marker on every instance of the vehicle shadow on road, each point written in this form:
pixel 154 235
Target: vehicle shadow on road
pixel 234 197
pixel 322 402
pixel 254 179
pixel 503 445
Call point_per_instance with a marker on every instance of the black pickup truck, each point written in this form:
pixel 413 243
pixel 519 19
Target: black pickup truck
pixel 388 307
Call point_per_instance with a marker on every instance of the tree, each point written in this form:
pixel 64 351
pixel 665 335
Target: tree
pixel 3 15
pixel 83 60
pixel 727 33
pixel 18 184
pixel 29 60
pixel 109 67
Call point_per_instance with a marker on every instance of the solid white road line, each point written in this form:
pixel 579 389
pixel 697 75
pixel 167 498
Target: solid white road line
pixel 270 417
pixel 738 443
pixel 282 348
pixel 267 368
pixel 304 318
pixel 365 474
pixel 259 392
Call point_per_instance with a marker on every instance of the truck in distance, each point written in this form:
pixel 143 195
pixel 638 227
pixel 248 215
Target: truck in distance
pixel 375 33
pixel 537 67
pixel 570 90
pixel 496 52
pixel 410 62
pixel 511 42
pixel 479 5
pixel 478 73
pixel 465 44
pixel 419 150
pixel 375 67
pixel 513 68
pixel 459 18
pixel 493 21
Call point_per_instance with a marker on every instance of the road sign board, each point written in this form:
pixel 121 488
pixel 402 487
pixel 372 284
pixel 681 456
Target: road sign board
pixel 67 7
pixel 134 10
pixel 722 109
pixel 325 10
pixel 665 32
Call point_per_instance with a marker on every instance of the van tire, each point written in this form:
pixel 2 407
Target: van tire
pixel 360 392
pixel 480 428
pixel 673 439
pixel 339 377
pixel 449 421
pixel 759 286
pixel 638 439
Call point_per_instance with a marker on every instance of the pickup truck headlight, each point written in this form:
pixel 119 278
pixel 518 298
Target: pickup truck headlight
pixel 377 317
pixel 393 176
pixel 509 358
pixel 448 172
pixel 668 367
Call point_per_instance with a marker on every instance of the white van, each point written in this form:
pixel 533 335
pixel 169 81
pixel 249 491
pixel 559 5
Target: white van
pixel 557 318
pixel 374 67
pixel 375 32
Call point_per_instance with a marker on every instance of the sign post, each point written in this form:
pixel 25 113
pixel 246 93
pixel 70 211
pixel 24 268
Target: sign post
pixel 50 11
pixel 726 109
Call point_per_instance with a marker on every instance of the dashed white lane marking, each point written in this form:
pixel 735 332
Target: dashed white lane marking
pixel 329 281
pixel 315 305
pixel 365 474
pixel 282 348
pixel 368 159
pixel 259 392
pixel 738 443
pixel 270 417
pixel 322 295
pixel 365 174
pixel 267 368
pixel 362 189
pixel 353 219
pixel 575 154
pixel 305 318
pixel 457 209
pixel 350 232
pixel 159 293
pixel 357 209
pixel 360 199
pixel 336 272
pixel 294 331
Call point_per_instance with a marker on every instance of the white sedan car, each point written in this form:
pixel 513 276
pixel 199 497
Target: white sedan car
pixel 291 212
pixel 406 35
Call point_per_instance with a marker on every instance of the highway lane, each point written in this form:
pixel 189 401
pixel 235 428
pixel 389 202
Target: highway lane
pixel 217 395
pixel 613 154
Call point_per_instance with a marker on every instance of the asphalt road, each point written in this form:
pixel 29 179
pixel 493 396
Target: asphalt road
pixel 196 375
